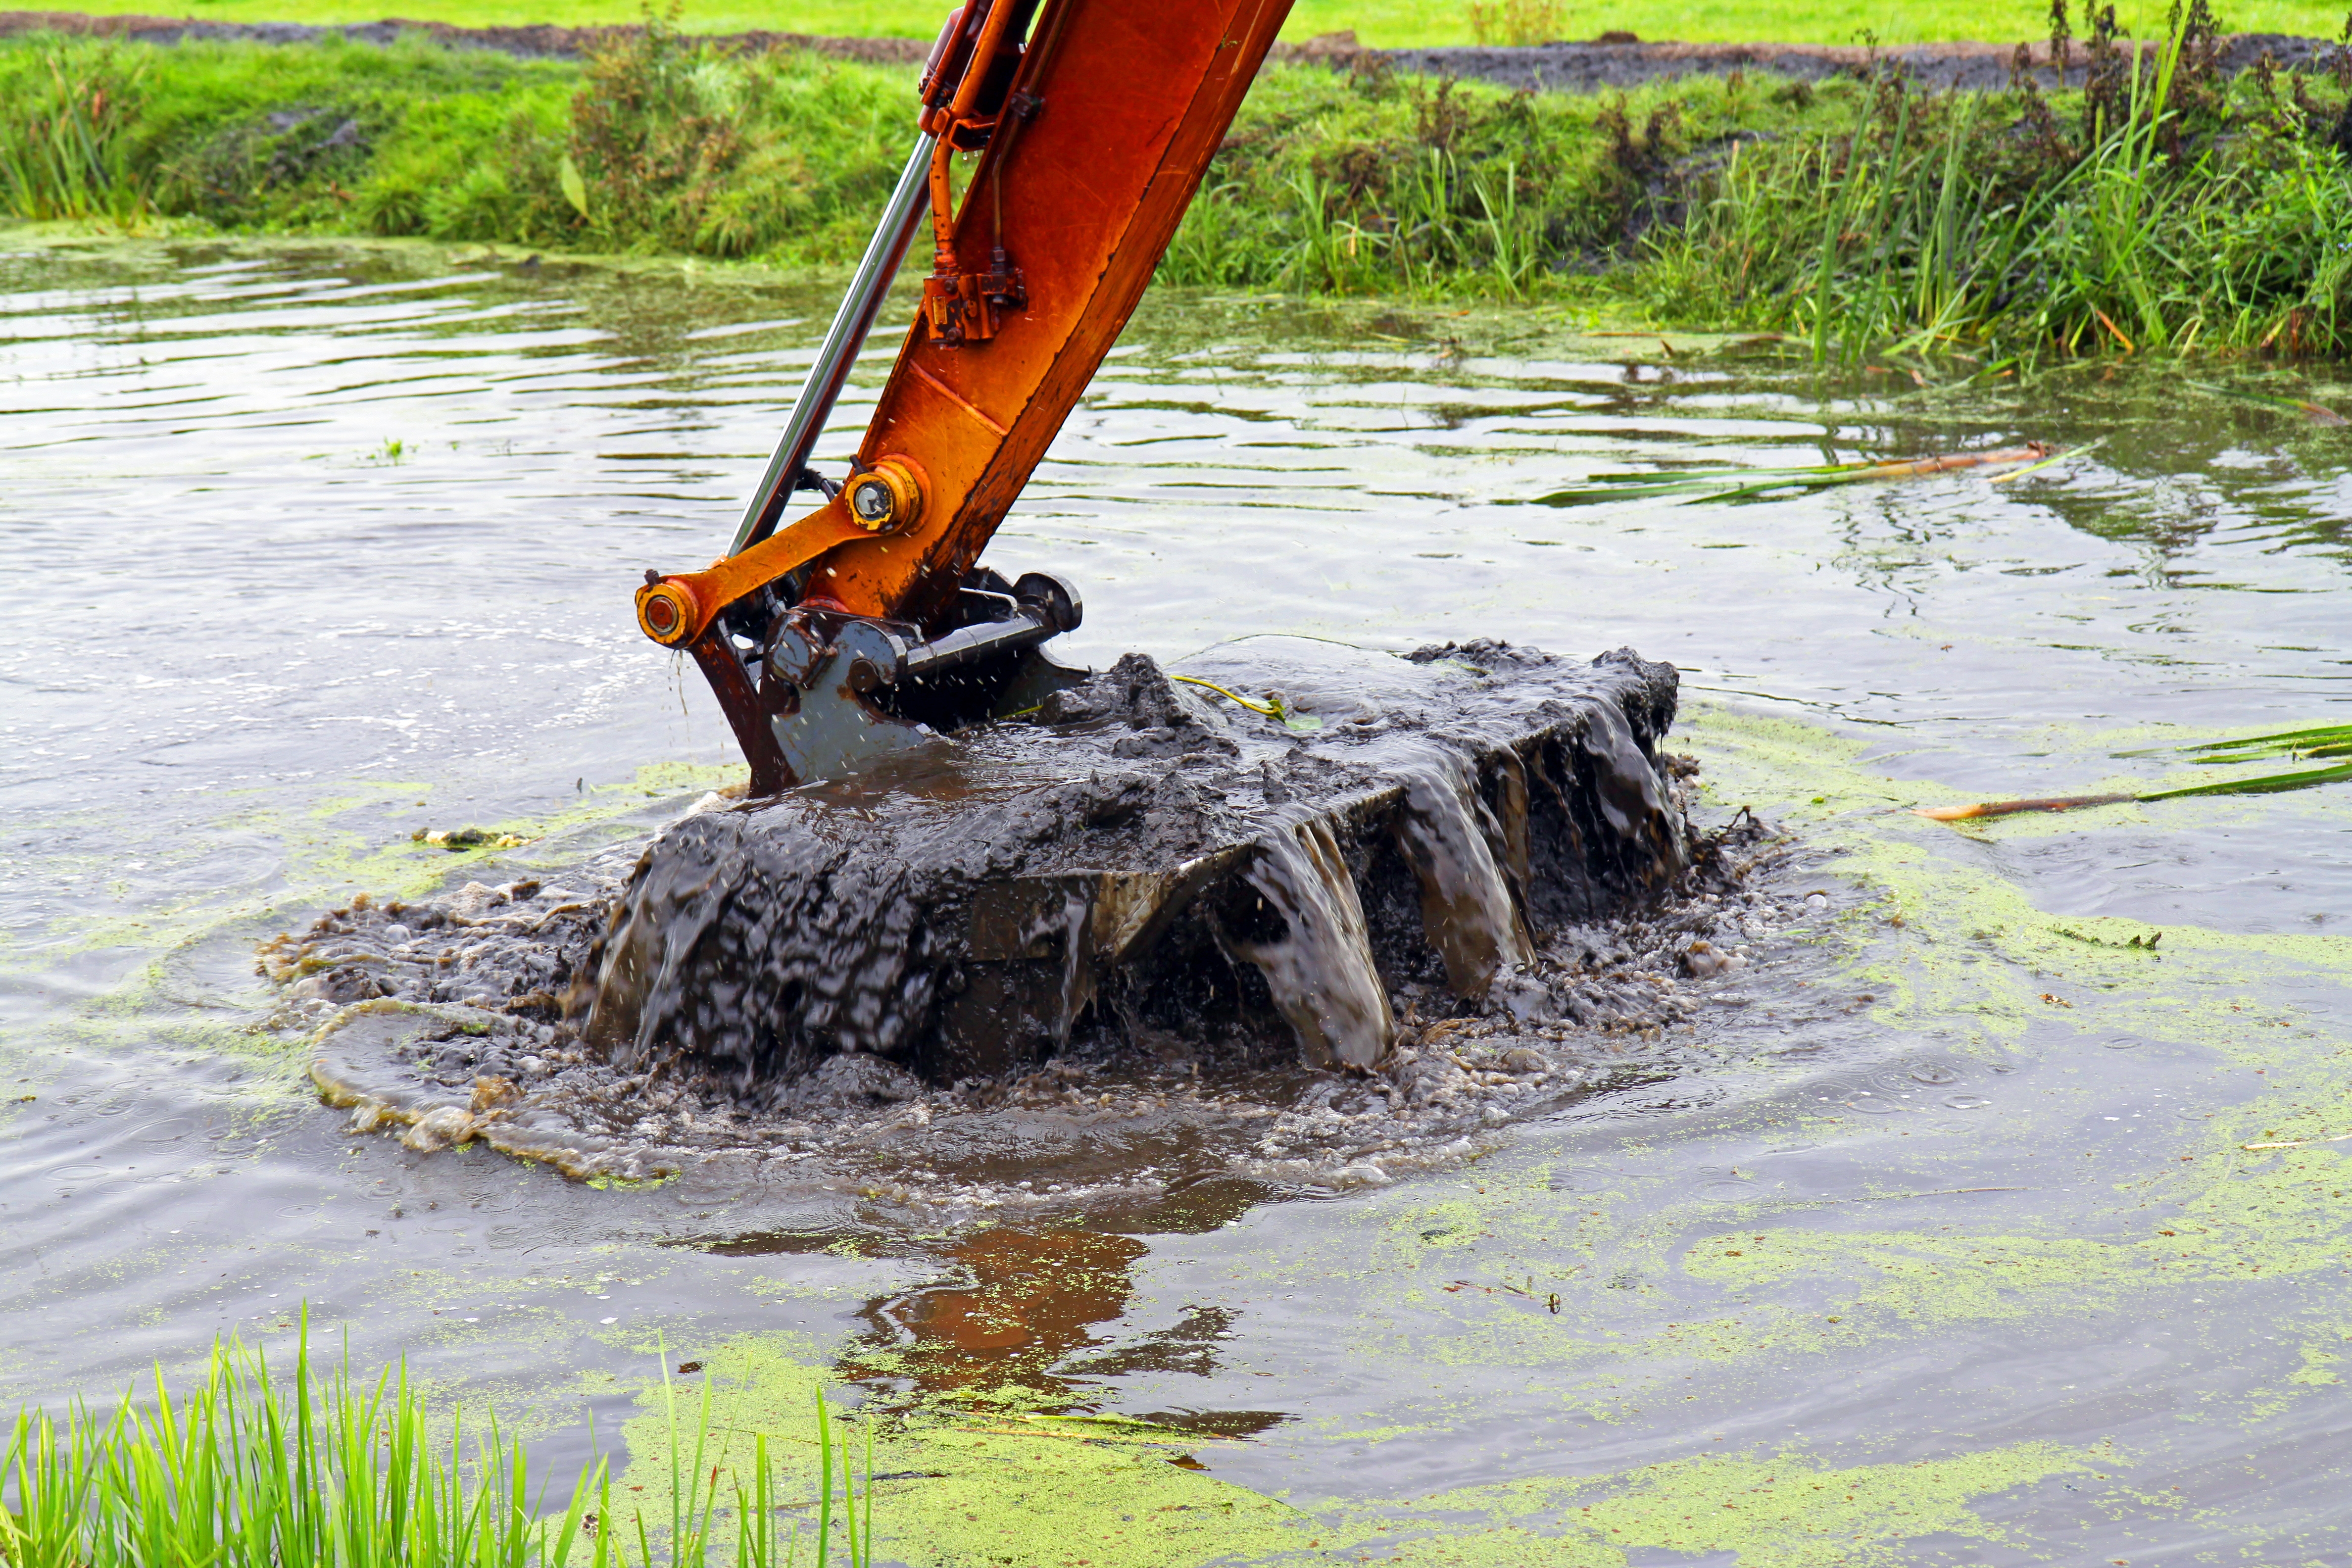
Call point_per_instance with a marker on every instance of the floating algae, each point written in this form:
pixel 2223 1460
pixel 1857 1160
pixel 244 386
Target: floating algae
pixel 1105 943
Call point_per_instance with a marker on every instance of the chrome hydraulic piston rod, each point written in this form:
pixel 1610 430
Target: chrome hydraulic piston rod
pixel 908 203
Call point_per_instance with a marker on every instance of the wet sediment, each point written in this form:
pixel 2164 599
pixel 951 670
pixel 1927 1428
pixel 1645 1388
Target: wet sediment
pixel 1151 859
pixel 1426 895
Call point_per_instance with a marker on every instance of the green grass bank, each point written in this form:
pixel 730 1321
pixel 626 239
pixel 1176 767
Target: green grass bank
pixel 2167 209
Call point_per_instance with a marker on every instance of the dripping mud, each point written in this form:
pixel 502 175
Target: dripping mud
pixel 1149 938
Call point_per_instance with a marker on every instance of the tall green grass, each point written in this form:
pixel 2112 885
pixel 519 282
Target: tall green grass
pixel 2164 210
pixel 1860 218
pixel 676 148
pixel 299 1468
pixel 2185 212
pixel 66 155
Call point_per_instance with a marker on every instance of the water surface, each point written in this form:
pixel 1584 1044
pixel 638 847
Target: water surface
pixel 1946 1209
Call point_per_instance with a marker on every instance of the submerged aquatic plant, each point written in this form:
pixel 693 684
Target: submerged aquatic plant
pixel 2294 745
pixel 247 1470
pixel 2317 413
pixel 1734 483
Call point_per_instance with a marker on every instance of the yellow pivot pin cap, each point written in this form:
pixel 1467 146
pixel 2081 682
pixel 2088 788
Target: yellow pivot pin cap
pixel 665 613
pixel 885 497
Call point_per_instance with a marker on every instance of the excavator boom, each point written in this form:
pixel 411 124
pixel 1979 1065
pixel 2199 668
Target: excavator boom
pixel 829 638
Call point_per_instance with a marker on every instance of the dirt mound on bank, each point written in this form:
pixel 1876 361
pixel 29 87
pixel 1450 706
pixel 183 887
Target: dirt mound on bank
pixel 1560 67
pixel 535 42
pixel 1587 67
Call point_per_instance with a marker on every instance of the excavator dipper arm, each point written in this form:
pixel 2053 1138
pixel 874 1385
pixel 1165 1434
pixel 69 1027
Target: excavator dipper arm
pixel 1093 132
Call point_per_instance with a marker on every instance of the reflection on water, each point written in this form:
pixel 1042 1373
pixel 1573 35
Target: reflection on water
pixel 1028 1311
pixel 1024 1308
pixel 318 548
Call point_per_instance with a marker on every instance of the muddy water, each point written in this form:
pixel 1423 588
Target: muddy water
pixel 1932 1238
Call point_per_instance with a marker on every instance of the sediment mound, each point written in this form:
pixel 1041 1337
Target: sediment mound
pixel 1150 858
pixel 1385 898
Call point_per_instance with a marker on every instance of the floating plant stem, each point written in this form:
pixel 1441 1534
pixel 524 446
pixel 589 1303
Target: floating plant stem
pixel 2011 807
pixel 2050 462
pixel 1737 483
pixel 2301 778
pixel 1275 707
pixel 2297 745
pixel 2316 413
pixel 2298 1143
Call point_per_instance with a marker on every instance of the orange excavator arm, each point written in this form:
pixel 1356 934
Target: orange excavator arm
pixel 1093 122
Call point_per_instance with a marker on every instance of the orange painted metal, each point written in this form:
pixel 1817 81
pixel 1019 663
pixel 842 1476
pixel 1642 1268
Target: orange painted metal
pixel 693 599
pixel 1110 124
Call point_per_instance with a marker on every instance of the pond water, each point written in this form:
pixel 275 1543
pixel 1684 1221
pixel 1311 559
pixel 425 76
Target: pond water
pixel 1936 1240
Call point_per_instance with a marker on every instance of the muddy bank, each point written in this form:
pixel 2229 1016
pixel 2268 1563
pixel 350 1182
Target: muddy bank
pixel 1151 937
pixel 1560 66
pixel 542 41
pixel 1979 67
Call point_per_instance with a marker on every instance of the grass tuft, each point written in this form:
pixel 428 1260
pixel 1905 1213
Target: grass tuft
pixel 1518 22
pixel 247 1468
pixel 64 155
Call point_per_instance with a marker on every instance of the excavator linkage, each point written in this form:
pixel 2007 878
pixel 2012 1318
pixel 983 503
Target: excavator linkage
pixel 868 624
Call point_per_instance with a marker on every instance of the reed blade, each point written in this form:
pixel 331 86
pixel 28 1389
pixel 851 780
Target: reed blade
pixel 2266 783
pixel 2319 740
